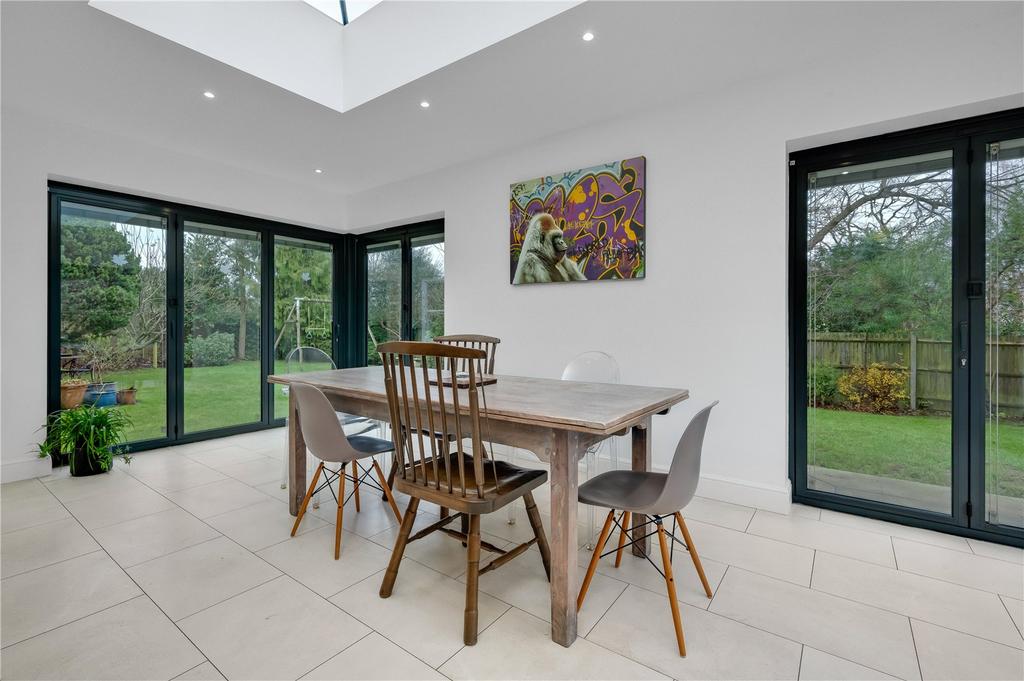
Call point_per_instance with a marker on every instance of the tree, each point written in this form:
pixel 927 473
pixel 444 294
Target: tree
pixel 99 278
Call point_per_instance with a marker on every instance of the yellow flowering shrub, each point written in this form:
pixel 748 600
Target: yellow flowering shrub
pixel 879 388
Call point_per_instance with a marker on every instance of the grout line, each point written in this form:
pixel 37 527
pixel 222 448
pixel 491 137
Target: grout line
pixel 895 559
pixel 800 665
pixel 1007 608
pixel 814 559
pixel 56 562
pixel 751 521
pixel 72 621
pixel 371 632
pixel 917 655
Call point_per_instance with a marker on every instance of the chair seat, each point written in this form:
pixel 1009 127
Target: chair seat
pixel 511 483
pixel 633 491
pixel 370 445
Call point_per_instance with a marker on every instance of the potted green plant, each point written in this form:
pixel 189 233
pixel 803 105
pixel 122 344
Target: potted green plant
pixel 126 395
pixel 88 435
pixel 72 390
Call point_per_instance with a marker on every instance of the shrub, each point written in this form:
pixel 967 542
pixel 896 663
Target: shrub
pixel 214 350
pixel 822 385
pixel 879 389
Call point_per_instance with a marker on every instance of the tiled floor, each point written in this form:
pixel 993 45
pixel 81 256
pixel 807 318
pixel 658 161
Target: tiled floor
pixel 181 566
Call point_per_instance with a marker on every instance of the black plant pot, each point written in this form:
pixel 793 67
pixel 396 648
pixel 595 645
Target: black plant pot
pixel 82 464
pixel 58 459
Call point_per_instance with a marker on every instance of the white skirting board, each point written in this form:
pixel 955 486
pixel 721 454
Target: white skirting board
pixel 746 493
pixel 24 469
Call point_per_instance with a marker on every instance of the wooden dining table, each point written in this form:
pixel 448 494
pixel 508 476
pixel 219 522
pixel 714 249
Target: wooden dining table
pixel 557 420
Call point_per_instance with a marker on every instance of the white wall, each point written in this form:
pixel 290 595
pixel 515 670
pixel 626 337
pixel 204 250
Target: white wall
pixel 34 151
pixel 711 315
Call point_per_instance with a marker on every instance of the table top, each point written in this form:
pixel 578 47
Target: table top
pixel 591 407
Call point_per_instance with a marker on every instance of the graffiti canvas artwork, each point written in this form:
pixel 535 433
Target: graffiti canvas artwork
pixel 582 225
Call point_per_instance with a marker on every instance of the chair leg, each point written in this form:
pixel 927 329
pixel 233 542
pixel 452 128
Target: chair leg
pixel 671 586
pixel 391 476
pixel 464 526
pixel 693 554
pixel 472 578
pixel 396 554
pixel 341 511
pixel 387 489
pixel 595 559
pixel 538 531
pixel 355 482
pixel 305 500
pixel 626 515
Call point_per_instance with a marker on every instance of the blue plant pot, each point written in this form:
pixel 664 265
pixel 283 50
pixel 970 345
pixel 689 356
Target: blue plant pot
pixel 101 394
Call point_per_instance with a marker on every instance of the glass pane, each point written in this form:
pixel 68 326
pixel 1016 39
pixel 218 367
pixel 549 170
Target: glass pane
pixel 222 327
pixel 427 287
pixel 383 297
pixel 1004 334
pixel 303 311
pixel 879 351
pixel 113 323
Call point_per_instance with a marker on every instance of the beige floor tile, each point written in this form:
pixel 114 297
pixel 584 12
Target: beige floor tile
pixel 1015 607
pixel 279 630
pixel 42 545
pixel 23 489
pixel 854 631
pixel 186 581
pixel 639 572
pixel 716 512
pixel 816 665
pixel 309 558
pixel 758 554
pixel 523 583
pixel 519 646
pixel 103 509
pixel 968 610
pixel 216 498
pixel 845 541
pixel 136 541
pixel 374 658
pixel 423 601
pixel 374 517
pixel 71 489
pixel 273 489
pixel 805 511
pixel 37 601
pixel 204 672
pixel 223 456
pixel 894 530
pixel 639 626
pixel 979 572
pixel 170 475
pixel 28 507
pixel 1000 551
pixel 133 640
pixel 437 550
pixel 950 655
pixel 261 525
pixel 255 472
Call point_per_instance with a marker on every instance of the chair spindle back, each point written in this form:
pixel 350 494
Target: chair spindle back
pixel 433 416
pixel 489 344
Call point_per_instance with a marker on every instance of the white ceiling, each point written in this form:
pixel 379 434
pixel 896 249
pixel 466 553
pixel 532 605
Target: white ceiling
pixel 71 62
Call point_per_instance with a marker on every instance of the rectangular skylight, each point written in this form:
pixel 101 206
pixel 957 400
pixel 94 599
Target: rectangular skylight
pixel 342 11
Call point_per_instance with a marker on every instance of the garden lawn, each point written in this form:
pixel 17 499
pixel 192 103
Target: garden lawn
pixel 215 397
pixel 906 447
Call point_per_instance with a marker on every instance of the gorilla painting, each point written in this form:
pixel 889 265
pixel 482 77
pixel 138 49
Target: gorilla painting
pixel 543 256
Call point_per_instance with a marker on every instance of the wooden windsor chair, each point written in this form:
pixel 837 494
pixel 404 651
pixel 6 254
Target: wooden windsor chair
pixel 489 344
pixel 440 470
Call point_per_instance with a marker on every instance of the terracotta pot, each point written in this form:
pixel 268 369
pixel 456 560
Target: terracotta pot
pixel 71 395
pixel 126 396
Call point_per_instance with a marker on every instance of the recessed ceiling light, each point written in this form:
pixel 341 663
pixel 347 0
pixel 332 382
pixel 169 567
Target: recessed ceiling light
pixel 588 36
pixel 846 172
pixel 425 104
pixel 318 171
pixel 209 95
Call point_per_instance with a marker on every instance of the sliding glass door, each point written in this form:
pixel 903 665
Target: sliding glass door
pixel 222 378
pixel 176 314
pixel 112 315
pixel 907 313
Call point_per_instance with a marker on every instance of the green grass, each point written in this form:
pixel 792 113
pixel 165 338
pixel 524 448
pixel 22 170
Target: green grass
pixel 215 397
pixel 913 448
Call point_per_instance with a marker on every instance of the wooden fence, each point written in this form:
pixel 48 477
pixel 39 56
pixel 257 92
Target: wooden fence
pixel 929 364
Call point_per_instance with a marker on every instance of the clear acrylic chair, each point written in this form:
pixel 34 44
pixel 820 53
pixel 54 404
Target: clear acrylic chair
pixel 655 497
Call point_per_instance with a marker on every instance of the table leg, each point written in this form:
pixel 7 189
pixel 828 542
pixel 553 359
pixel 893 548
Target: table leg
pixel 564 461
pixel 296 457
pixel 641 462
